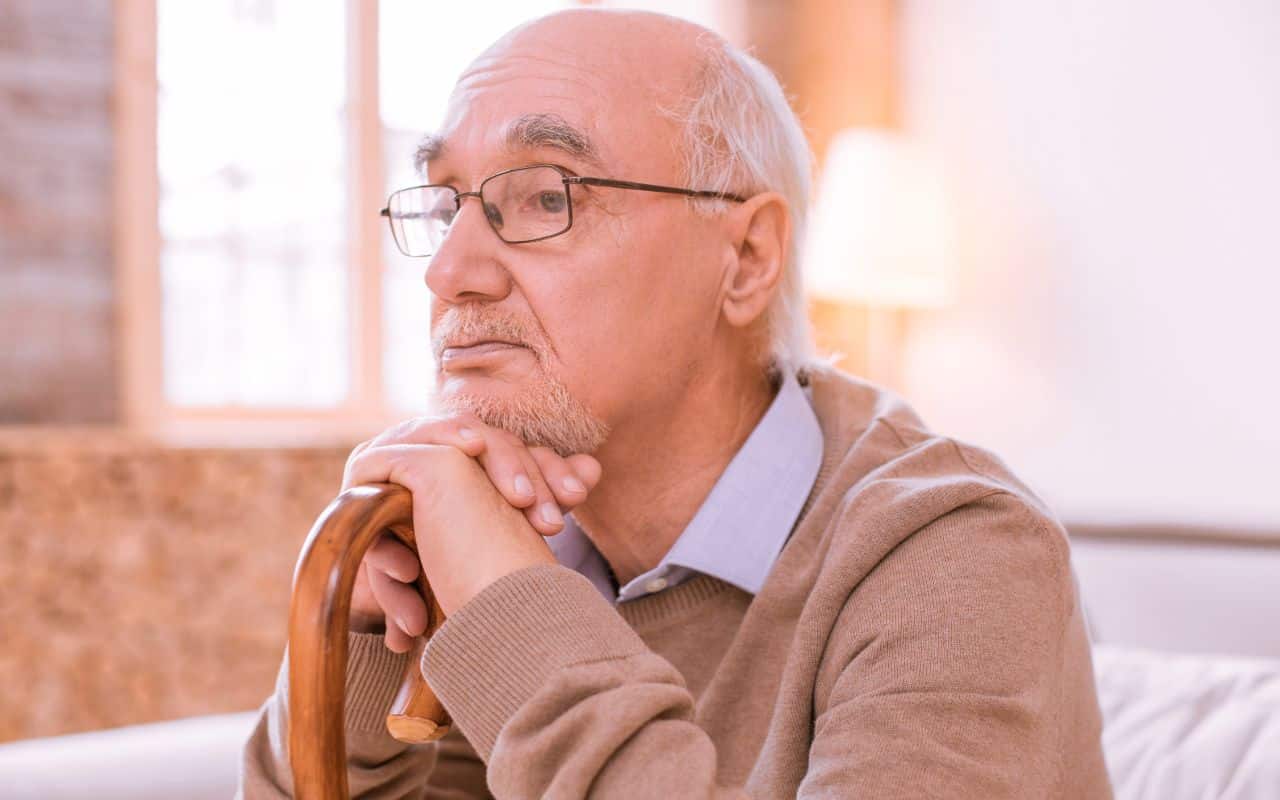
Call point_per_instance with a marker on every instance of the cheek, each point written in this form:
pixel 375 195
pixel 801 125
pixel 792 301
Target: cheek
pixel 649 285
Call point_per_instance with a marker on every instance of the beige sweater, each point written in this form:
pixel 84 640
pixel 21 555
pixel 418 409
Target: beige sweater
pixel 920 635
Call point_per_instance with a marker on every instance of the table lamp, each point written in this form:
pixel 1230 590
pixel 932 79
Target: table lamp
pixel 879 238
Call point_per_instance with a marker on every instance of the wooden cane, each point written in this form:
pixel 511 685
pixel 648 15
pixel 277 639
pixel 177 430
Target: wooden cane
pixel 318 629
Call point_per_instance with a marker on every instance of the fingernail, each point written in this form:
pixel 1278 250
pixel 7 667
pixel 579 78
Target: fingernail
pixel 573 484
pixel 467 433
pixel 550 514
pixel 523 486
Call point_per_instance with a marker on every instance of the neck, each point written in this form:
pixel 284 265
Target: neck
pixel 659 467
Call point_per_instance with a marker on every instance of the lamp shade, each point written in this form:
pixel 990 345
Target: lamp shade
pixel 879 233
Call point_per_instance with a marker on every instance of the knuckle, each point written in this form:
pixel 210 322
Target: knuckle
pixel 412 430
pixel 399 432
pixel 423 463
pixel 353 456
pixel 465 418
pixel 358 449
pixel 452 457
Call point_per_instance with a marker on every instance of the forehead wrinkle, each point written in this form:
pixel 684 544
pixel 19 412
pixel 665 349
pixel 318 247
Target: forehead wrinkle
pixel 489 69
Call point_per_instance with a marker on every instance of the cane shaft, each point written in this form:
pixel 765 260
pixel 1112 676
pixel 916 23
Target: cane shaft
pixel 318 630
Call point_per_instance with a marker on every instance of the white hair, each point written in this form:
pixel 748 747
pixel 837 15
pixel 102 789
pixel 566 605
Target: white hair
pixel 741 136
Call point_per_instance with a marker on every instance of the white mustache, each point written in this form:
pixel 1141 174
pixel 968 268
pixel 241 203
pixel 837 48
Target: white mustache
pixel 456 326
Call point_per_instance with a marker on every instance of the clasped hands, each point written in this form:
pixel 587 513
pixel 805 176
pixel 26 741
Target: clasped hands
pixel 482 502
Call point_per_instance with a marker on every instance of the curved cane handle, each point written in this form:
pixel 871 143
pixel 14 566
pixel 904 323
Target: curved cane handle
pixel 318 629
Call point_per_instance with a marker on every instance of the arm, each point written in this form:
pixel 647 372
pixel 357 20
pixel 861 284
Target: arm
pixel 378 766
pixel 574 703
pixel 957 666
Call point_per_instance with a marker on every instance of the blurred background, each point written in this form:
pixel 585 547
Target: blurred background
pixel 1052 227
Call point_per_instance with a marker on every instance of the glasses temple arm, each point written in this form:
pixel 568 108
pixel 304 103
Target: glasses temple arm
pixel 653 187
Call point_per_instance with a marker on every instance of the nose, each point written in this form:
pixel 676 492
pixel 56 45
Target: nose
pixel 467 265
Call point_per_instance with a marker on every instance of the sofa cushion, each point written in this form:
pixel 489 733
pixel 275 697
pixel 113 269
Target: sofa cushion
pixel 1189 726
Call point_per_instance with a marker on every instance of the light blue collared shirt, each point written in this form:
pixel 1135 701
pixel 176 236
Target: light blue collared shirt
pixel 740 528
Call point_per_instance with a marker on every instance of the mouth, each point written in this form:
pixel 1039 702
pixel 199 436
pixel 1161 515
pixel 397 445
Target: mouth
pixel 458 352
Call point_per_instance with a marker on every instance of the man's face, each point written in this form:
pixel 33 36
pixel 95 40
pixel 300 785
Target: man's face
pixel 609 319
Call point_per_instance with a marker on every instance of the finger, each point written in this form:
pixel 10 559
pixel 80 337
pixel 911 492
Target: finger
pixel 544 512
pixel 397 640
pixel 587 468
pixel 391 556
pixel 460 429
pixel 405 464
pixel 401 602
pixel 463 431
pixel 545 515
pixel 559 474
pixel 507 471
pixel 365 614
pixel 346 469
pixel 504 458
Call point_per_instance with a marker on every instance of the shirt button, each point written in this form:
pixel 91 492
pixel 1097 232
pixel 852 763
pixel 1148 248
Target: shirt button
pixel 655 584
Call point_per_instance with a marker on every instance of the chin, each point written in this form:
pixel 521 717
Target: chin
pixel 540 412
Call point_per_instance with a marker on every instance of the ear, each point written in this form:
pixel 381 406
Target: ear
pixel 760 231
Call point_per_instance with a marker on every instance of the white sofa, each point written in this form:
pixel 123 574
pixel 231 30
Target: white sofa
pixel 1186 630
pixel 1186 627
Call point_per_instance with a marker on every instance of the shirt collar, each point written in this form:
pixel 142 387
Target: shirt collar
pixel 740 528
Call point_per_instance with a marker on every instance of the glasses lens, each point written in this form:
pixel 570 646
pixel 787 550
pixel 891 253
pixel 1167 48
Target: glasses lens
pixel 525 204
pixel 420 217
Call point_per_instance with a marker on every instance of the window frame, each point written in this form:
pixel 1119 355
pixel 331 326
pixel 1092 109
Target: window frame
pixel 137 242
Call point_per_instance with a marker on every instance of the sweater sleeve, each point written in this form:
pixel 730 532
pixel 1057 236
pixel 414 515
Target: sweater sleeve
pixel 378 765
pixel 561 698
pixel 953 664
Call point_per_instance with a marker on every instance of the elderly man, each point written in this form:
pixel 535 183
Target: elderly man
pixel 773 580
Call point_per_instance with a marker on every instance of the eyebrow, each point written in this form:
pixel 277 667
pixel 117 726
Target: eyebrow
pixel 526 132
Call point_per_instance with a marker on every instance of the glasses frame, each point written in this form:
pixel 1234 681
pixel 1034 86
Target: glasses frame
pixel 566 179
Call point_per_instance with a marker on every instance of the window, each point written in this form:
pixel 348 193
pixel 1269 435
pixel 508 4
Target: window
pixel 253 203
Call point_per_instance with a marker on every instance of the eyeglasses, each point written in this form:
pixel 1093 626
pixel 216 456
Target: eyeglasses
pixel 524 204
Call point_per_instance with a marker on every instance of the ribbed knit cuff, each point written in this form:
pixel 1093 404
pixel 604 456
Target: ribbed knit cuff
pixel 373 677
pixel 492 654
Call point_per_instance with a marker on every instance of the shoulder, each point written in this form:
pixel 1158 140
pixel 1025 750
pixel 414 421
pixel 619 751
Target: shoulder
pixel 887 477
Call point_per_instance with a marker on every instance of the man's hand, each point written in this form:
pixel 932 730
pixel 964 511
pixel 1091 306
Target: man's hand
pixel 483 482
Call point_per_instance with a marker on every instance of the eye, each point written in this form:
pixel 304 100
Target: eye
pixel 494 214
pixel 552 202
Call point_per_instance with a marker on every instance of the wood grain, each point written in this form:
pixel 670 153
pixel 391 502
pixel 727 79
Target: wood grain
pixel 318 629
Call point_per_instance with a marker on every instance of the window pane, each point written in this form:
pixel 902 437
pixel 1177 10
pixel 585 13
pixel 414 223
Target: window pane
pixel 253 202
pixel 417 68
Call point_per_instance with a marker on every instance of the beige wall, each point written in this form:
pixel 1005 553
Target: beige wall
pixel 144 583
pixel 1115 171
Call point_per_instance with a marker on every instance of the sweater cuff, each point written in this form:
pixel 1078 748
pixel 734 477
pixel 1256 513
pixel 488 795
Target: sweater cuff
pixel 493 654
pixel 374 672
